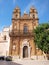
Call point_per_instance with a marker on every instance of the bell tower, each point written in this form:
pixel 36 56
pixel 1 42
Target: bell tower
pixel 34 15
pixel 33 12
pixel 16 13
pixel 15 18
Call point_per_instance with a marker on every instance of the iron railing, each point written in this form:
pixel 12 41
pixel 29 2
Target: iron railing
pixel 21 33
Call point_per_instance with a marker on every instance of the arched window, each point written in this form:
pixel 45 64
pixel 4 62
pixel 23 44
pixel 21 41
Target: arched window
pixel 25 29
pixel 4 37
pixel 33 16
pixel 16 15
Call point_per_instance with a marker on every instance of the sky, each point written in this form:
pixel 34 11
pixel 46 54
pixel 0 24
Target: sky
pixel 7 7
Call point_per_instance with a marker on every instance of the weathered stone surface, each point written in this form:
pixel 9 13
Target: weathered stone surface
pixel 19 39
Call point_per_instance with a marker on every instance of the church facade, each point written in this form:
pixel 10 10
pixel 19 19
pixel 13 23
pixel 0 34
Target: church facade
pixel 22 43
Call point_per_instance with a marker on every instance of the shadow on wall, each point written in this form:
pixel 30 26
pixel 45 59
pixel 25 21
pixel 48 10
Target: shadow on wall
pixel 8 63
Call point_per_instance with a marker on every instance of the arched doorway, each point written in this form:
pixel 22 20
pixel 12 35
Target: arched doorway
pixel 25 52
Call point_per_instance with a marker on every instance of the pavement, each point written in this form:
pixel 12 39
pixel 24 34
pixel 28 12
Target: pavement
pixel 8 63
pixel 25 62
pixel 31 62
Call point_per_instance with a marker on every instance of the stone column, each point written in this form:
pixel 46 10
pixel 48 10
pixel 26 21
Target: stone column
pixel 21 53
pixel 28 52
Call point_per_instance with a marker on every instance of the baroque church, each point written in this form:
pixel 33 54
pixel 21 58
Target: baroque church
pixel 18 38
pixel 21 37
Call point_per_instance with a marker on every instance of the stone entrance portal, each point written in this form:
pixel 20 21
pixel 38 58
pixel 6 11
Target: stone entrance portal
pixel 25 49
pixel 25 52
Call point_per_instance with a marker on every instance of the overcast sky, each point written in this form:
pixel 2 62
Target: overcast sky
pixel 7 7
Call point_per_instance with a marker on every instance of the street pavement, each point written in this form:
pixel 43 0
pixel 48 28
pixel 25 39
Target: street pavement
pixel 25 62
pixel 8 63
pixel 32 62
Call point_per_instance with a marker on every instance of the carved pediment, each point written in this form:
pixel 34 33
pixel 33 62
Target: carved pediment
pixel 25 15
